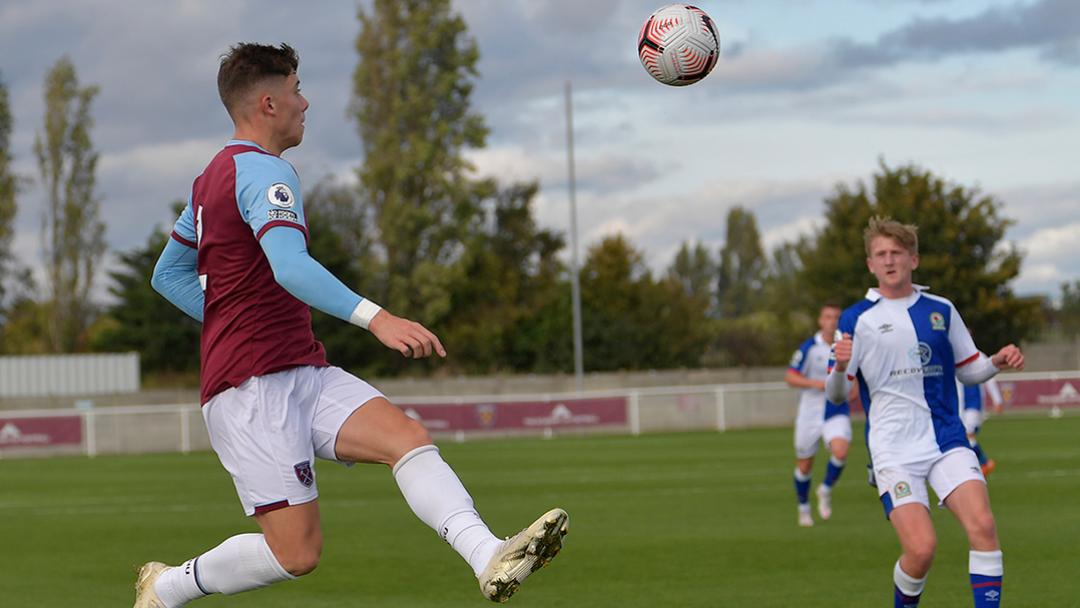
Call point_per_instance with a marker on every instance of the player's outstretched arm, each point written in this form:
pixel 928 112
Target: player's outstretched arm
pixel 310 282
pixel 175 277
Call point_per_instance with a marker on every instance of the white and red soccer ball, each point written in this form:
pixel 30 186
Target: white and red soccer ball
pixel 678 45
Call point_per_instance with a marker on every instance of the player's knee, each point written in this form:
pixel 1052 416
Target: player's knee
pixel 299 562
pixel 922 555
pixel 840 451
pixel 414 435
pixel 983 531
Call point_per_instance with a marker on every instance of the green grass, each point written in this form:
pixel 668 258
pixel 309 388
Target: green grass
pixel 695 519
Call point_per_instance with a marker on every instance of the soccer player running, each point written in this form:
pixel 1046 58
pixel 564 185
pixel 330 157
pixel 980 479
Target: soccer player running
pixel 971 413
pixel 818 419
pixel 238 262
pixel 904 347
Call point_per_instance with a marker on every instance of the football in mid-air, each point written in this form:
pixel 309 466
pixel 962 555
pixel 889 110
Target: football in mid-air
pixel 678 45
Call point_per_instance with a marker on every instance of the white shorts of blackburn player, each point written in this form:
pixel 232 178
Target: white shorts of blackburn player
pixel 972 419
pixel 906 484
pixel 808 434
pixel 268 431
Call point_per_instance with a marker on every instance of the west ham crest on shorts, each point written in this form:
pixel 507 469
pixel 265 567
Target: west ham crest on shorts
pixel 304 473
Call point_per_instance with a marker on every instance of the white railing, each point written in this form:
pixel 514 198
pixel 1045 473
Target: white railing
pixel 721 407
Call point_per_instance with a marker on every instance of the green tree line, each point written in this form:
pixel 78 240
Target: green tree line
pixel 421 233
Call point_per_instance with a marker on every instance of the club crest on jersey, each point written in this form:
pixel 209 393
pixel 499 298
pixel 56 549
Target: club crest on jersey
pixel 937 321
pixel 280 195
pixel 304 473
pixel 902 490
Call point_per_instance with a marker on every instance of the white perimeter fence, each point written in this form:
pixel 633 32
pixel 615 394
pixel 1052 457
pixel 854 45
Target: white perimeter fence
pixel 180 428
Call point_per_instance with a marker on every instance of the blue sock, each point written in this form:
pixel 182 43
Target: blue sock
pixel 832 473
pixel 986 568
pixel 978 452
pixel 802 487
pixel 907 590
pixel 904 601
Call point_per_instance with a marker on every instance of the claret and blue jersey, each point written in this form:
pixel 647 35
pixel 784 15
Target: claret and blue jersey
pixel 811 361
pixel 904 356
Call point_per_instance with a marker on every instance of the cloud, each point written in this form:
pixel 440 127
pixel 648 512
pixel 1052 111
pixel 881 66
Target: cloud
pixel 1049 26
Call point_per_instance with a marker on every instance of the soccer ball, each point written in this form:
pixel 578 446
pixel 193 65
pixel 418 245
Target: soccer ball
pixel 678 45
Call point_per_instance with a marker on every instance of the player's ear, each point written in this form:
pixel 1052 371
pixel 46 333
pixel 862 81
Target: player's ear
pixel 914 261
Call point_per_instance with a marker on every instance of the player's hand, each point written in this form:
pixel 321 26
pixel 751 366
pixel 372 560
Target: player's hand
pixel 997 408
pixel 1009 357
pixel 842 350
pixel 409 338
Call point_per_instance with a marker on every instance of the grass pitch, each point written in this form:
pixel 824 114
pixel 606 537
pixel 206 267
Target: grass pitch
pixel 695 519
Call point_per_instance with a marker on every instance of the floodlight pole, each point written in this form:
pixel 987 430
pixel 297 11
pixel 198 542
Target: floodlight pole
pixel 575 283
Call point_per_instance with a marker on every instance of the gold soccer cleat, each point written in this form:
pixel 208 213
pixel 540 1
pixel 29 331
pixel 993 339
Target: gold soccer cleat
pixel 145 596
pixel 522 554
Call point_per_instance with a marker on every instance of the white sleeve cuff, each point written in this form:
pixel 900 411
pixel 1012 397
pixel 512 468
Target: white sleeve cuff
pixel 837 386
pixel 978 371
pixel 364 312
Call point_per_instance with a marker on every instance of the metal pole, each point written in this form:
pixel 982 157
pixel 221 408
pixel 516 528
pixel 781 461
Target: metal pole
pixel 575 284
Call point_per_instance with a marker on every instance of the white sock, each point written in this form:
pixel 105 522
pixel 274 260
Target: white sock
pixel 986 563
pixel 241 563
pixel 907 584
pixel 436 495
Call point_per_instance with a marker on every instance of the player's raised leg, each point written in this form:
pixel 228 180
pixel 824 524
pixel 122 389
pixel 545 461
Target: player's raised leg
pixel 380 432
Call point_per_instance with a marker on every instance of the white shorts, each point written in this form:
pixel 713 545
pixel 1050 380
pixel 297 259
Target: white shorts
pixel 807 434
pixel 268 431
pixel 907 484
pixel 972 419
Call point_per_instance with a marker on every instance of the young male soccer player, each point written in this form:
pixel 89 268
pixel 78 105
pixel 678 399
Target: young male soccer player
pixel 238 262
pixel 971 414
pixel 905 348
pixel 818 419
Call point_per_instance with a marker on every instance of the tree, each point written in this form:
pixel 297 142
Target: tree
pixel 73 234
pixel 141 320
pixel 8 188
pixel 695 271
pixel 743 265
pixel 961 253
pixel 411 92
pixel 632 321
pixel 507 278
pixel 1069 313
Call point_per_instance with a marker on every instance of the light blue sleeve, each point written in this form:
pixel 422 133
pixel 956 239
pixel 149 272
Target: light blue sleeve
pixel 184 229
pixel 175 277
pixel 304 277
pixel 268 193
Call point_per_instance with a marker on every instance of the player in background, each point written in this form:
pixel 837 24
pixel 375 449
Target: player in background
pixel 905 348
pixel 972 399
pixel 818 418
pixel 238 262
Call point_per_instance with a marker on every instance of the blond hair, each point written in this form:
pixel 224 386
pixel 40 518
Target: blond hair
pixel 907 235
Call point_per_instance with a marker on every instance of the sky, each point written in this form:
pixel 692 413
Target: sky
pixel 807 94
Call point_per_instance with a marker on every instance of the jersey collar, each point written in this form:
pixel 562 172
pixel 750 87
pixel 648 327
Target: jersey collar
pixel 245 142
pixel 874 295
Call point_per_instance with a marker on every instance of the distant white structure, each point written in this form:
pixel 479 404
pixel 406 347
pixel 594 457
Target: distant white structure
pixel 69 375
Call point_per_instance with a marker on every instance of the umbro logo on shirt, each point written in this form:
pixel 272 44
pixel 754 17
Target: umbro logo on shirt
pixel 885 328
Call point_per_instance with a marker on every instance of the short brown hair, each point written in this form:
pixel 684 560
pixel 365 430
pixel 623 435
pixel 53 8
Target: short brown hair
pixel 248 63
pixel 905 234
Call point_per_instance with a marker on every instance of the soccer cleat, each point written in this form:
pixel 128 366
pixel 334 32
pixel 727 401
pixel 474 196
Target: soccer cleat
pixel 522 554
pixel 824 502
pixel 988 467
pixel 805 519
pixel 145 596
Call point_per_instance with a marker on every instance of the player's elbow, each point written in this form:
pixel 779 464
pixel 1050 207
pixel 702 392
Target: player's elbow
pixel 158 280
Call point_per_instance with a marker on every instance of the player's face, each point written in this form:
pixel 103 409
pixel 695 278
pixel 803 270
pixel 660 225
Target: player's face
pixel 291 106
pixel 892 264
pixel 827 321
